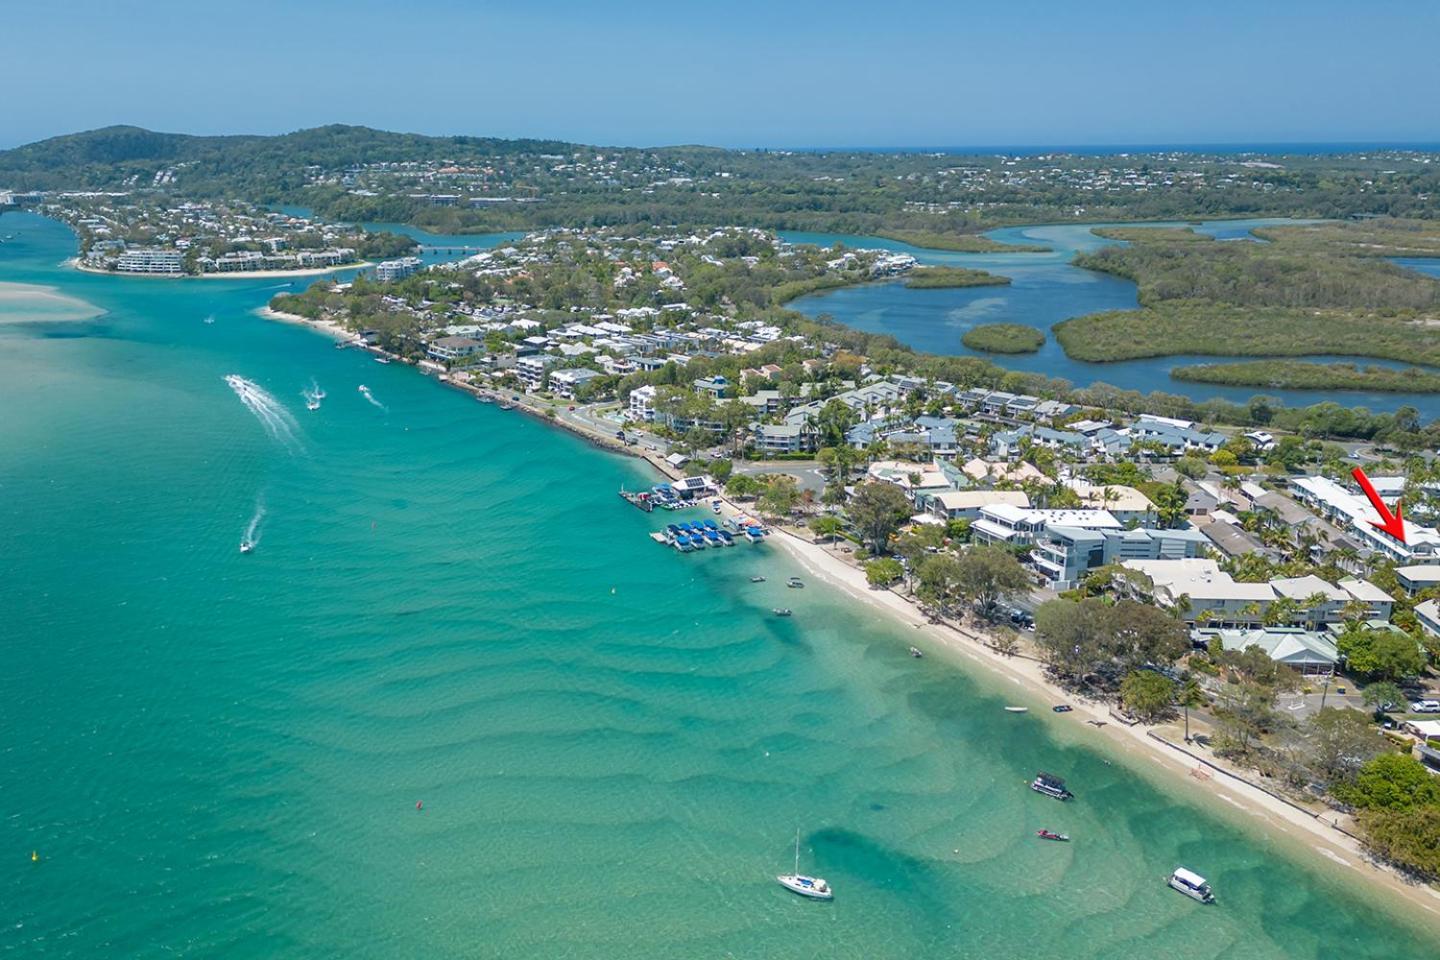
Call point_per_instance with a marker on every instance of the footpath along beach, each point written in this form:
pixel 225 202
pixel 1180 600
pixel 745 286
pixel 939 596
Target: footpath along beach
pixel 1144 749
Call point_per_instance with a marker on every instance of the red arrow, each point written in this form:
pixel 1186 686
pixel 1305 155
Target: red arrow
pixel 1393 524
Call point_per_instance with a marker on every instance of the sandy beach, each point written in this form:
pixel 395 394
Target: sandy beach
pixel 238 275
pixel 328 327
pixel 969 649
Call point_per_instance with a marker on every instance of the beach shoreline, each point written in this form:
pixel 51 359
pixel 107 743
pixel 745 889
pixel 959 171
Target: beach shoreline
pixel 328 327
pixel 1138 744
pixel 75 264
pixel 1144 752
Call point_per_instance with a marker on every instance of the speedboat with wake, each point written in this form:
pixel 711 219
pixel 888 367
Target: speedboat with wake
pixel 247 546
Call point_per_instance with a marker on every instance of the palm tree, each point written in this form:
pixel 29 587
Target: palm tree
pixel 1188 695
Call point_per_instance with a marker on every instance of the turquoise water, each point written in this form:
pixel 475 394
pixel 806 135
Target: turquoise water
pixel 1046 289
pixel 221 755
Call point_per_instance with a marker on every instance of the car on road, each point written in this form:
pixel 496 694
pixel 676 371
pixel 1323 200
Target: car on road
pixel 1425 706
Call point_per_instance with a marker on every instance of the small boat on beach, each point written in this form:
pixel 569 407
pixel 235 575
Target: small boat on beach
pixel 757 579
pixel 1017 709
pixel 1191 884
pixel 915 652
pixel 807 886
pixel 484 398
pixel 1047 835
pixel 1051 786
pixel 781 611
pixel 1062 708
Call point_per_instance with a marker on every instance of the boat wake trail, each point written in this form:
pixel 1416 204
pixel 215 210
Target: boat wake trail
pixel 313 394
pixel 252 531
pixel 365 392
pixel 277 421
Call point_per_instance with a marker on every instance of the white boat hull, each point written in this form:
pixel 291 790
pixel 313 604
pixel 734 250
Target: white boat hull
pixel 812 887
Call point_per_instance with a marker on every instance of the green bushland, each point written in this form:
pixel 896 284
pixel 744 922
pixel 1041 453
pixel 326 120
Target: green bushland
pixel 1151 234
pixel 1004 338
pixel 1258 299
pixel 1224 330
pixel 932 278
pixel 1361 238
pixel 959 242
pixel 1299 375
pixel 1264 275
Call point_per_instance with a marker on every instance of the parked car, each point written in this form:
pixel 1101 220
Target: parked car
pixel 1425 706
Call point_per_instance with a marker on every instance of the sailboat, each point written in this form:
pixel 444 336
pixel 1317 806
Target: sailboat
pixel 813 887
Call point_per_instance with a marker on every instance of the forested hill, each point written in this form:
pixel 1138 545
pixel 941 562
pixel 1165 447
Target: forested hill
pixel 121 155
pixel 468 184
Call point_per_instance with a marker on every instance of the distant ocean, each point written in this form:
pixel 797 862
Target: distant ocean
pixel 1027 150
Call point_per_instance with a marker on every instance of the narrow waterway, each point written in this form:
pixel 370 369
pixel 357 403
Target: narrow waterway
pixel 1045 289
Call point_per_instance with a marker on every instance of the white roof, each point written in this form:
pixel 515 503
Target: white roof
pixel 1190 877
pixel 1364 590
pixel 1200 579
pixel 1303 588
pixel 1425 728
pixel 1113 496
pixel 1420 573
pixel 974 499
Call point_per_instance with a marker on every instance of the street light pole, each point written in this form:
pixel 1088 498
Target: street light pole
pixel 1324 692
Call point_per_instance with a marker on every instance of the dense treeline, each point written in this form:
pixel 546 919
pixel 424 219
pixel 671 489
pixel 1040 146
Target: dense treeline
pixel 1223 330
pixel 1263 275
pixel 936 278
pixel 1004 338
pixel 1296 375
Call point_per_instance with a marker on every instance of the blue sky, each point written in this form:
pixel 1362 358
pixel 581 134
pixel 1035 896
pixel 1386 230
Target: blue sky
pixel 736 73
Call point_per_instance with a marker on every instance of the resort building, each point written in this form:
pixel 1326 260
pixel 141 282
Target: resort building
pixel 151 260
pixel 566 383
pixel 1065 554
pixel 1354 514
pixel 388 271
pixel 532 370
pixel 1416 578
pixel 642 404
pixel 449 349
pixel 966 504
pixel 1018 526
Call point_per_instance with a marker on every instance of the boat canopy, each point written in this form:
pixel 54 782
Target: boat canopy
pixel 1189 877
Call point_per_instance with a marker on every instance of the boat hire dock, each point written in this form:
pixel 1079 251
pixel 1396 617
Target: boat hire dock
pixel 688 536
pixel 682 493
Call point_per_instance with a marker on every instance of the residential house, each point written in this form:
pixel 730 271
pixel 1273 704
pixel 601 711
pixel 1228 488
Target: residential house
pixel 1309 652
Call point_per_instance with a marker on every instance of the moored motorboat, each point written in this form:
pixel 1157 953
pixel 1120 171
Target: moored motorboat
pixel 781 611
pixel 1017 709
pixel 795 582
pixel 1191 884
pixel 382 359
pixel 1051 786
pixel 757 579
pixel 1047 835
pixel 915 652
